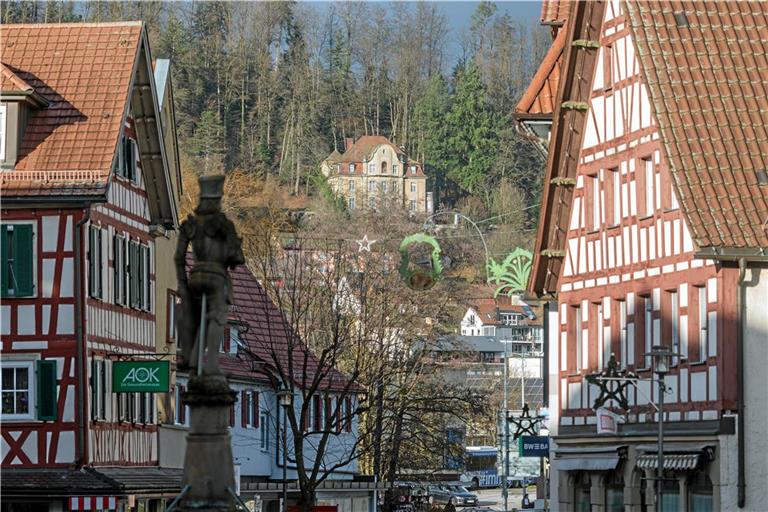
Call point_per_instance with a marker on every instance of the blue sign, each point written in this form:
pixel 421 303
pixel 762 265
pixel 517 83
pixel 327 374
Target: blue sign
pixel 533 446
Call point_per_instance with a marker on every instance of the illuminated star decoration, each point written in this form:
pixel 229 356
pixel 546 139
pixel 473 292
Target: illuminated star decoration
pixel 365 244
pixel 525 423
pixel 613 389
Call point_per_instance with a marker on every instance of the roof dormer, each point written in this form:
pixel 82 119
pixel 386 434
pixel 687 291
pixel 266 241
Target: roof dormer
pixel 18 101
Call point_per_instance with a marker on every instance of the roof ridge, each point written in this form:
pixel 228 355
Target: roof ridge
pixel 132 23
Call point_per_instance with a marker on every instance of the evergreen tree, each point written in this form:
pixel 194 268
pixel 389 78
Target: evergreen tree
pixel 473 129
pixel 207 144
pixel 431 119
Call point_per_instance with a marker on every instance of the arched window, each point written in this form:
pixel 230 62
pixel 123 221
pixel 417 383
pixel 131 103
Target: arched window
pixel 581 493
pixel 614 492
pixel 700 492
pixel 383 167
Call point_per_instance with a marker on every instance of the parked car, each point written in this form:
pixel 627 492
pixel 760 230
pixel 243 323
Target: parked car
pixel 457 495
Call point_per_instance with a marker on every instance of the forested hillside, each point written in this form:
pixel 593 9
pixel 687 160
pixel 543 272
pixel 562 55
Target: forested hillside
pixel 273 87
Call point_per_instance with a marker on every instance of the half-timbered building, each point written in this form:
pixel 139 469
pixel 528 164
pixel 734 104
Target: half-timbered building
pixel 653 232
pixel 86 191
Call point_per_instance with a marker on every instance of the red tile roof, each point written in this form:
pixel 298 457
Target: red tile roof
pixel 707 83
pixel 554 12
pixel 267 336
pixel 361 151
pixel 540 96
pixel 84 71
pixel 11 82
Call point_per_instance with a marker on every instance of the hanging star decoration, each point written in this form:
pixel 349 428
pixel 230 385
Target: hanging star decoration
pixel 365 244
pixel 613 383
pixel 525 423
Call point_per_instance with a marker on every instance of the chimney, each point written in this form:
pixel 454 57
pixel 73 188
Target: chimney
pixel 348 143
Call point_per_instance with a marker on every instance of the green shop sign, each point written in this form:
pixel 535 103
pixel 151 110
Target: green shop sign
pixel 140 376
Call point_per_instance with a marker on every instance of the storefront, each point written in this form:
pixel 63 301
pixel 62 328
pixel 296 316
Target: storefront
pixel 617 478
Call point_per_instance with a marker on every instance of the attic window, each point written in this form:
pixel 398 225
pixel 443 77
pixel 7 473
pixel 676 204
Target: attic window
pixel 681 20
pixel 762 177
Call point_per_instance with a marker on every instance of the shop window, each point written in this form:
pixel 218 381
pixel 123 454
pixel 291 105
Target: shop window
pixel 614 492
pixel 700 492
pixel 670 493
pixel 581 493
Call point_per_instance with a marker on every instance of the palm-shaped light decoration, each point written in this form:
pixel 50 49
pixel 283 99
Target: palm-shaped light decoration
pixel 511 275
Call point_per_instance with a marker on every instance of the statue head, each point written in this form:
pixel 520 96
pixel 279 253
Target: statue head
pixel 211 190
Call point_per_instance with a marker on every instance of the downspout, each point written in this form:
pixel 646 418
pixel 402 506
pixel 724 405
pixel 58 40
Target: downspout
pixel 740 308
pixel 80 352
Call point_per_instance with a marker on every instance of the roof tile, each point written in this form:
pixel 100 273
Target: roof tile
pixel 84 71
pixel 708 86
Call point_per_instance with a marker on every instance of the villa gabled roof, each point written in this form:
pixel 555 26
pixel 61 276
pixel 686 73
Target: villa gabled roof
pixel 709 90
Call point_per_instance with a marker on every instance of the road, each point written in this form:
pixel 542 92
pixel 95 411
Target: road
pixel 494 499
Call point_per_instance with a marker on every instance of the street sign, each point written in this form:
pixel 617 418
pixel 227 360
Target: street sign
pixel 533 446
pixel 140 376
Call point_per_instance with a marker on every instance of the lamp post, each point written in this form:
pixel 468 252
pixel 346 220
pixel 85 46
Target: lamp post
pixel 505 484
pixel 662 359
pixel 285 398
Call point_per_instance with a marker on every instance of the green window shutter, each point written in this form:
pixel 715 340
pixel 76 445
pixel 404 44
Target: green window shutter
pixel 4 261
pixel 46 390
pixel 23 264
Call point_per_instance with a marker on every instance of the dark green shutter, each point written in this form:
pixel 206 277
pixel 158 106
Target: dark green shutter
pixel 46 390
pixel 4 260
pixel 23 264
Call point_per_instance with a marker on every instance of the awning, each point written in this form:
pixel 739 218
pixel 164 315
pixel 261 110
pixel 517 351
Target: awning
pixel 588 459
pixel 93 503
pixel 671 461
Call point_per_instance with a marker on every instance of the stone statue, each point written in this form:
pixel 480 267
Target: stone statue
pixel 216 249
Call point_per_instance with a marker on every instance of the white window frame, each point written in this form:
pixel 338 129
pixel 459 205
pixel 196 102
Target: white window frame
pixel 264 430
pixel 624 346
pixel 413 170
pixel 675 304
pixel 384 187
pixel 596 202
pixel 616 196
pixel 648 329
pixel 703 327
pixel 395 169
pixel 650 186
pixel 579 339
pixel 412 205
pixel 414 188
pixel 351 203
pixel 351 186
pixel 29 365
pixel 3 129
pixel 372 168
pixel 371 186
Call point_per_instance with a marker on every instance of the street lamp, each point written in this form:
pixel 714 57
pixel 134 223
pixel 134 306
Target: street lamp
pixel 285 399
pixel 662 360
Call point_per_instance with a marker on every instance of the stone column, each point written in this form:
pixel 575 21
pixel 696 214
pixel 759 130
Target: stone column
pixel 208 464
pixel 597 491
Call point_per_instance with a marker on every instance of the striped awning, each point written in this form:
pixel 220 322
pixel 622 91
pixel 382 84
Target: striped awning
pixel 93 503
pixel 672 461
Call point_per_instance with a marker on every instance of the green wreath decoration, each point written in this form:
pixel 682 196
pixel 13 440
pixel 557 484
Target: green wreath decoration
pixel 417 278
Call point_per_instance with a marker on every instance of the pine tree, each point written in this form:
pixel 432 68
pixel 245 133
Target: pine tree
pixel 473 132
pixel 207 144
pixel 431 119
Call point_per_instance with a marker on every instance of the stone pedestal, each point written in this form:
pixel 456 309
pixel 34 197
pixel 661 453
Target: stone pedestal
pixel 208 464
